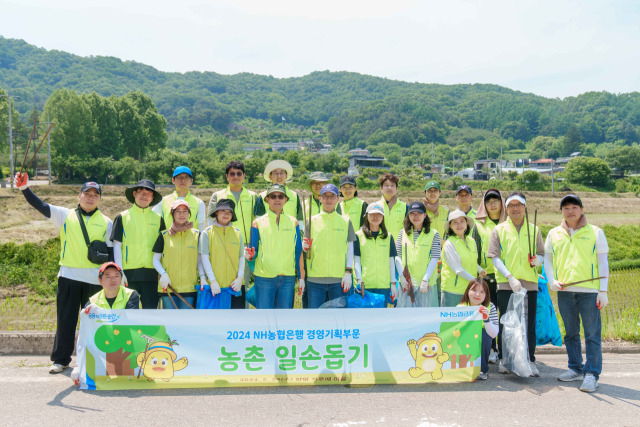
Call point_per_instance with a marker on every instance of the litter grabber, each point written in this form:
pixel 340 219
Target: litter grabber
pixel 309 228
pixel 179 296
pixel 582 281
pixel 37 149
pixel 407 277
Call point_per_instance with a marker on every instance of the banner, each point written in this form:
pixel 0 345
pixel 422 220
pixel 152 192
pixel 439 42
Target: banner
pixel 147 349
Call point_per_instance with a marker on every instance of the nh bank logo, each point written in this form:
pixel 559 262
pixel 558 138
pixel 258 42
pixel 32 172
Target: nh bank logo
pixel 456 314
pixel 191 247
pixel 104 317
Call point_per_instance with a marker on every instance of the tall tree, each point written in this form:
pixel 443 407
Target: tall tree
pixel 572 140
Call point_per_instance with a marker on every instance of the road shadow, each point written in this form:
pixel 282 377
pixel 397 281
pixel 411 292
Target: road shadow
pixel 58 398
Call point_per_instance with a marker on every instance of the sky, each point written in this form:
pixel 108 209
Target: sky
pixel 553 48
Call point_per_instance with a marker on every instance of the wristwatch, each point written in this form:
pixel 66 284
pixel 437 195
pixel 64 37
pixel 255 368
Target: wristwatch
pixel 348 269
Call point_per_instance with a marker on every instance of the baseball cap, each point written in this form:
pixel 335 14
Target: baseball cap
pixel 89 185
pixel 182 169
pixel 276 188
pixel 464 187
pixel 106 265
pixel 375 208
pixel 432 184
pixel 351 180
pixel 570 198
pixel 417 207
pixel 329 188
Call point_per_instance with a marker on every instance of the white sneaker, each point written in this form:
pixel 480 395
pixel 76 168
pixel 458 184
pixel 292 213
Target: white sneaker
pixel 590 384
pixel 56 368
pixel 534 370
pixel 571 375
pixel 503 369
pixel 483 376
pixel 493 357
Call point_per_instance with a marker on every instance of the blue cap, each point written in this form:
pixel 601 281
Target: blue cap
pixel 329 188
pixel 182 169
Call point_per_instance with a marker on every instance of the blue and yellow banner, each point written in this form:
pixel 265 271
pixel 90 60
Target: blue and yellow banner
pixel 148 349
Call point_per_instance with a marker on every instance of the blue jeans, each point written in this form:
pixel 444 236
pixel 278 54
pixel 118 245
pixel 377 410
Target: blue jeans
pixel 449 299
pixel 166 302
pixel 317 293
pixel 573 306
pixel 274 293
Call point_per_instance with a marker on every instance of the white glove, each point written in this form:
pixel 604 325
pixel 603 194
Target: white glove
pixel 346 281
pixel 300 286
pixel 602 300
pixel 93 307
pixel 515 284
pixel 249 253
pixel 215 287
pixel 394 291
pixel 536 261
pixel 483 274
pixel 556 286
pixel 403 282
pixel 75 375
pixel 306 244
pixel 424 286
pixel 21 181
pixel 236 285
pixel 164 281
pixel 203 282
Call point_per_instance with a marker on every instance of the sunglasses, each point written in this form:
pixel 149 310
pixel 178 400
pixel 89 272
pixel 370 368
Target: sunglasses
pixel 277 196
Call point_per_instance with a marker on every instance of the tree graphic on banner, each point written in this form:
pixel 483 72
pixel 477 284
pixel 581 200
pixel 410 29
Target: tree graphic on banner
pixel 463 342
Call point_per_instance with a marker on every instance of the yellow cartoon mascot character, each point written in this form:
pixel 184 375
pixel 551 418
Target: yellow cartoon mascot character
pixel 428 355
pixel 159 361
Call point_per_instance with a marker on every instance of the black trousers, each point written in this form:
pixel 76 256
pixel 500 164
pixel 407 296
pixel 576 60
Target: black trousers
pixel 493 294
pixel 148 291
pixel 71 296
pixel 503 303
pixel 486 351
pixel 238 303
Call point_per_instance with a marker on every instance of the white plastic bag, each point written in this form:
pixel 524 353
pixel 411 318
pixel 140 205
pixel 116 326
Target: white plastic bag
pixel 421 299
pixel 514 336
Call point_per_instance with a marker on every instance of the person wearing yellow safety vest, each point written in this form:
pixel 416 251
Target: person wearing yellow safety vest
pixel 330 245
pixel 221 249
pixel 114 295
pixel 351 205
pixel 316 181
pixel 176 259
pixel 577 251
pixel 244 203
pixel 280 172
pixel 492 211
pixel 77 277
pixel 182 179
pixel 394 209
pixel 515 269
pixel 460 264
pixel 135 231
pixel 375 255
pixel 275 254
pixel 438 215
pixel 464 197
pixel 423 252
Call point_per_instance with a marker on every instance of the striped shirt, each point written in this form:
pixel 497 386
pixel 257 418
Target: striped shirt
pixel 435 246
pixel 493 314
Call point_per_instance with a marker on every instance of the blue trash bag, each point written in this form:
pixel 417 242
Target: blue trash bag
pixel 370 300
pixel 250 296
pixel 221 301
pixel 547 329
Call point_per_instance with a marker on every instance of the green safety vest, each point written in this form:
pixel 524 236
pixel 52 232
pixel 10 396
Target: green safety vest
pixel 353 208
pixel 330 232
pixel 180 259
pixel 394 220
pixel 472 213
pixel 575 258
pixel 194 204
pixel 374 260
pixel 514 251
pixel 484 231
pixel 119 304
pixel 290 208
pixel 73 248
pixel 140 229
pixel 243 209
pixel 438 222
pixel 277 247
pixel 224 253
pixel 416 257
pixel 468 253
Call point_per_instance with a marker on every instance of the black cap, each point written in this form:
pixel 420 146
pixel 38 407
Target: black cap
pixel 144 183
pixel 464 187
pixel 570 198
pixel 417 207
pixel 89 185
pixel 225 204
pixel 492 193
pixel 349 179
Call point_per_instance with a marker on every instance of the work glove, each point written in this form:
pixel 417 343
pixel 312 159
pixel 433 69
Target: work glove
pixel 515 284
pixel 394 291
pixel 484 312
pixel 403 283
pixel 556 286
pixel 21 181
pixel 249 253
pixel 602 300
pixel 90 307
pixel 306 244
pixel 164 281
pixel 300 286
pixel 424 286
pixel 124 282
pixel 203 282
pixel 346 282
pixel 75 375
pixel 215 287
pixel 535 261
pixel 236 285
pixel 483 274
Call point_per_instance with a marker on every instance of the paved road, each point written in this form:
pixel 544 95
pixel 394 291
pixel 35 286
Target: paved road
pixel 32 397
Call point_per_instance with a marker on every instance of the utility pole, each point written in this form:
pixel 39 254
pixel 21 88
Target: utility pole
pixel 49 144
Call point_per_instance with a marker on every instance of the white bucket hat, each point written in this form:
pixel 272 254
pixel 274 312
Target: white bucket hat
pixel 278 164
pixel 455 215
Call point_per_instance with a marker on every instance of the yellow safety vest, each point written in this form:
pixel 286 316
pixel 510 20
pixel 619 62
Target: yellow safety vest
pixel 394 220
pixel 575 258
pixel 353 208
pixel 514 251
pixel 243 209
pixel 119 304
pixel 484 231
pixel 418 256
pixel 194 204
pixel 140 229
pixel 73 248
pixel 329 232
pixel 180 259
pixel 374 260
pixel 290 208
pixel 224 253
pixel 437 223
pixel 468 253
pixel 472 213
pixel 277 248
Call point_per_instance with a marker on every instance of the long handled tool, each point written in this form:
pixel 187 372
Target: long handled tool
pixel 244 224
pixel 526 214
pixel 38 149
pixel 179 296
pixel 309 236
pixel 582 281
pixel 144 362
pixel 250 232
pixel 26 152
pixel 407 277
pixel 535 232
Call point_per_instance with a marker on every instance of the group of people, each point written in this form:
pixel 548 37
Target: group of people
pixel 330 243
